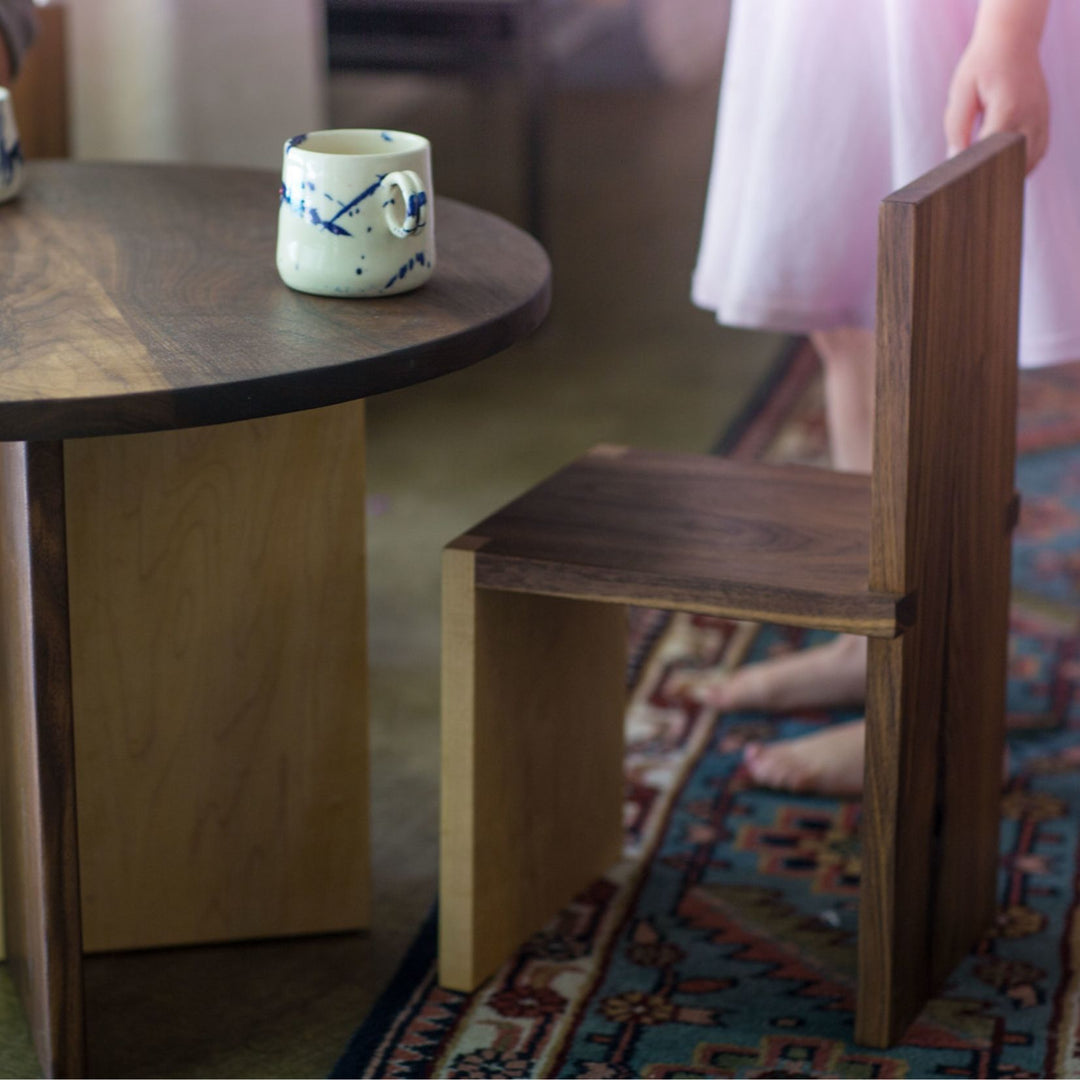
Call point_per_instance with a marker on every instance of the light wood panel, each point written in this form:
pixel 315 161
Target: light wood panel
pixel 218 651
pixel 37 764
pixel 945 438
pixel 532 748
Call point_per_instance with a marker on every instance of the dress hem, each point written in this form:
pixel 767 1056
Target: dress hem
pixel 1045 352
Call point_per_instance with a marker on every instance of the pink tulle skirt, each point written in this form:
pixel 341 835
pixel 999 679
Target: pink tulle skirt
pixel 827 106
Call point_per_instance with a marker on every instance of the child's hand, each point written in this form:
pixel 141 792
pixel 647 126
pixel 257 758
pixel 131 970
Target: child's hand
pixel 999 79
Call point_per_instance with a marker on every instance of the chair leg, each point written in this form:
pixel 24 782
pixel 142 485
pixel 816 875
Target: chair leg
pixel 37 756
pixel 532 781
pixel 973 742
pixel 931 809
pixel 898 838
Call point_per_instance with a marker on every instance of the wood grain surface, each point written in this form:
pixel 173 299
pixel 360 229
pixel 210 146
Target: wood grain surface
pixel 788 544
pixel 37 757
pixel 141 297
pixel 533 698
pixel 980 567
pixel 218 629
pixel 945 442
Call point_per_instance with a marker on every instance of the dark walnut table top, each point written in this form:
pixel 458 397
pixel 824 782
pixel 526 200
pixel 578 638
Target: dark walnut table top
pixel 142 297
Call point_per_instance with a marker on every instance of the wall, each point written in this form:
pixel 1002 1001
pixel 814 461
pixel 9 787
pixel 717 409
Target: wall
pixel 207 81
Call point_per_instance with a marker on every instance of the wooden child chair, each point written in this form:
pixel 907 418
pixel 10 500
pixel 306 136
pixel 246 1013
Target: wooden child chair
pixel 916 557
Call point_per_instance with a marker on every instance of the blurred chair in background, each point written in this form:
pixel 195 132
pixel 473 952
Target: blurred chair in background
pixel 39 93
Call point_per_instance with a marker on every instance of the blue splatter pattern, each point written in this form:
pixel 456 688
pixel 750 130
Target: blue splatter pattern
pixel 303 208
pixel 10 156
pixel 417 260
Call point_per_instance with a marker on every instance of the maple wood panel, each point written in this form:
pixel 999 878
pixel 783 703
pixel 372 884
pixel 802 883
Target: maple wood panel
pixel 218 629
pixel 531 808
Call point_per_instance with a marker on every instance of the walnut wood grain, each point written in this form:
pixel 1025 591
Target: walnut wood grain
pixel 37 757
pixel 981 560
pixel 945 437
pixel 787 544
pixel 138 297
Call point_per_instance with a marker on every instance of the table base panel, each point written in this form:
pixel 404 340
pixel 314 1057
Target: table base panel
pixel 218 634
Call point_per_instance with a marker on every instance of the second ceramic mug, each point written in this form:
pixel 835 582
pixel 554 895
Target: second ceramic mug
pixel 357 213
pixel 11 162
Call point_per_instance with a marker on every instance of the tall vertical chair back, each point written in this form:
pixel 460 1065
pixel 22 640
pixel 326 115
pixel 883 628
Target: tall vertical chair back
pixel 942 508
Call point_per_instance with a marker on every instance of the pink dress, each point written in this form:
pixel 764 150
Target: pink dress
pixel 827 106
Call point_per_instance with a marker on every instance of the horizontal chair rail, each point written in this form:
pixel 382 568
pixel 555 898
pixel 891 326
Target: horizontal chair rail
pixel 870 614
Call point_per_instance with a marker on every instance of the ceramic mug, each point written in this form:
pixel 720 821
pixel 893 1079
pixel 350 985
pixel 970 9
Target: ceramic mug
pixel 11 159
pixel 357 213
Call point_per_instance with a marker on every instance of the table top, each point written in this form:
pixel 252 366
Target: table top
pixel 143 297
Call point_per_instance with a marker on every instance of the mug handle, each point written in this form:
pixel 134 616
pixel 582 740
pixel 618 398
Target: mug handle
pixel 412 191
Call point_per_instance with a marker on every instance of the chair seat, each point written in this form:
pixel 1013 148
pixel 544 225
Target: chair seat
pixel 778 543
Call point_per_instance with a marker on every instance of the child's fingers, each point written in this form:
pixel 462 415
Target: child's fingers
pixel 961 109
pixel 1028 120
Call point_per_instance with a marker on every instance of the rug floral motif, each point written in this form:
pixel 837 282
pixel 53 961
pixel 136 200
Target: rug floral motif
pixel 723 944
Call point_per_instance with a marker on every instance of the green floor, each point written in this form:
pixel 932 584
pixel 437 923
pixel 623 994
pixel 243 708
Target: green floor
pixel 623 358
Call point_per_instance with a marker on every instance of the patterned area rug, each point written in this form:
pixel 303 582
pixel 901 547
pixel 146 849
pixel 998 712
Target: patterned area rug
pixel 723 944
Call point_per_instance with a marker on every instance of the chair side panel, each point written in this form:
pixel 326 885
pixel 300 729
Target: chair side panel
pixel 943 481
pixel 986 272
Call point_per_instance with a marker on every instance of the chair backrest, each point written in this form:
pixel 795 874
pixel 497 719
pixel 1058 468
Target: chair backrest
pixel 945 413
pixel 941 516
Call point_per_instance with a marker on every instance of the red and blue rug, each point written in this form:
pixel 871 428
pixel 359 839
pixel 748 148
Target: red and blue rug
pixel 723 944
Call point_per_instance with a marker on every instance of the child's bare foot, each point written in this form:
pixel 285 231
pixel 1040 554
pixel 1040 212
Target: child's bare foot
pixel 827 762
pixel 829 674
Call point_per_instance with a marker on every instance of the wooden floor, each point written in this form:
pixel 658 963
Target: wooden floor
pixel 623 359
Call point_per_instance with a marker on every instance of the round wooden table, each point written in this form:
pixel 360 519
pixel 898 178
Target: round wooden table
pixel 184 613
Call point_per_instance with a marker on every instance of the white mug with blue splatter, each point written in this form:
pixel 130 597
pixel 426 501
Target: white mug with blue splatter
pixel 11 160
pixel 357 213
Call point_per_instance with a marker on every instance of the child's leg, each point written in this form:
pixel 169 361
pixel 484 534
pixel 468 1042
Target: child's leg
pixel 830 761
pixel 847 356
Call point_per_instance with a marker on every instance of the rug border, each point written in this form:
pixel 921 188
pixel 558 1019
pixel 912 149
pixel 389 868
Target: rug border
pixel 373 1030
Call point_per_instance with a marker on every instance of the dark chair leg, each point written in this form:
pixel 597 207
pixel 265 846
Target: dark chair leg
pixel 931 809
pixel 37 756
